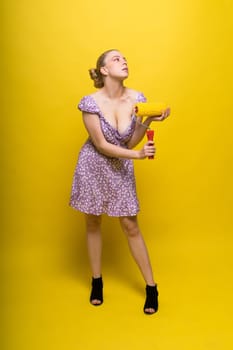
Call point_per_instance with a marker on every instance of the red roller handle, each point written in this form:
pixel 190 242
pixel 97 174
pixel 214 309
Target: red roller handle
pixel 150 137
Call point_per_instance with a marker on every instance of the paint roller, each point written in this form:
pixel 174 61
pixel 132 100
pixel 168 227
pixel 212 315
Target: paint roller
pixel 149 109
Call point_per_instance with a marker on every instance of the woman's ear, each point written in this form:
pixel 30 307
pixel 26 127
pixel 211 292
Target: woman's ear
pixel 104 71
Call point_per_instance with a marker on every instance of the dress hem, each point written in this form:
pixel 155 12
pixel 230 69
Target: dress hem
pixel 103 213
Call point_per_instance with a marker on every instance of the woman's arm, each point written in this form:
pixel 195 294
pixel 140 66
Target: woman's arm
pixel 92 124
pixel 141 127
pixel 139 132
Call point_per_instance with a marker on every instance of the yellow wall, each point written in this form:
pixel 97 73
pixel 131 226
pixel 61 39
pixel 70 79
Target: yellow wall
pixel 178 52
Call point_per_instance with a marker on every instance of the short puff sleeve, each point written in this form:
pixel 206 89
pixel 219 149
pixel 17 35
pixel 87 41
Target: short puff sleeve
pixel 141 97
pixel 88 104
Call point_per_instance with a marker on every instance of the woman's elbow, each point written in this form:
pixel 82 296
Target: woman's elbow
pixel 130 145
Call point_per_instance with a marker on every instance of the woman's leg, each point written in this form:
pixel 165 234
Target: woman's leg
pixel 138 249
pixel 94 245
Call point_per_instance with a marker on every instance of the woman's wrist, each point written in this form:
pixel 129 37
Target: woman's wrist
pixel 149 120
pixel 138 154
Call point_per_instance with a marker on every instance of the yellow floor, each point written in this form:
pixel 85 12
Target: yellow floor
pixel 47 287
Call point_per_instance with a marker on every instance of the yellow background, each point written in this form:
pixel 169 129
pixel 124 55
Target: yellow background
pixel 179 52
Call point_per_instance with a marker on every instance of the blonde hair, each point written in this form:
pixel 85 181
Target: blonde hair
pixel 95 73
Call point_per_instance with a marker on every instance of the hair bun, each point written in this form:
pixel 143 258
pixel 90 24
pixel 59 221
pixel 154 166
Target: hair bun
pixel 97 77
pixel 93 73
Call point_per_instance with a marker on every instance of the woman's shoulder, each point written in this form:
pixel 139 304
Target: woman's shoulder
pixel 136 95
pixel 88 104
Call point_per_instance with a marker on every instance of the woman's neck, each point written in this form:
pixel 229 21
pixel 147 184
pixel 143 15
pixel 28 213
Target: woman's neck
pixel 113 90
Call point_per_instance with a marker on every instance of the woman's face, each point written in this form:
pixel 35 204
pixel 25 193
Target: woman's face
pixel 115 66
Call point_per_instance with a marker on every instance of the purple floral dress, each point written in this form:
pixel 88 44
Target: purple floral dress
pixel 102 184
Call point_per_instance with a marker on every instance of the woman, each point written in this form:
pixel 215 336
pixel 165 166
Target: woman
pixel 104 180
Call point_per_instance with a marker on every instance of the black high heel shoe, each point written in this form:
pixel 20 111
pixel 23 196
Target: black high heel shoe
pixel 151 299
pixel 97 291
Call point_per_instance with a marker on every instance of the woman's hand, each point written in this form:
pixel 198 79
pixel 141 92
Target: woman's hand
pixel 161 117
pixel 147 150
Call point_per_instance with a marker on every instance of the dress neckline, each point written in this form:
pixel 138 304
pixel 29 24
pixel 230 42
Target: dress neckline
pixel 107 122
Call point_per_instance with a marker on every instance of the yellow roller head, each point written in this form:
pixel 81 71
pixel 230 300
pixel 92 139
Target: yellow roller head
pixel 143 109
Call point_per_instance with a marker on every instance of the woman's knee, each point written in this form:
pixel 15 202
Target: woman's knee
pixel 93 222
pixel 130 226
